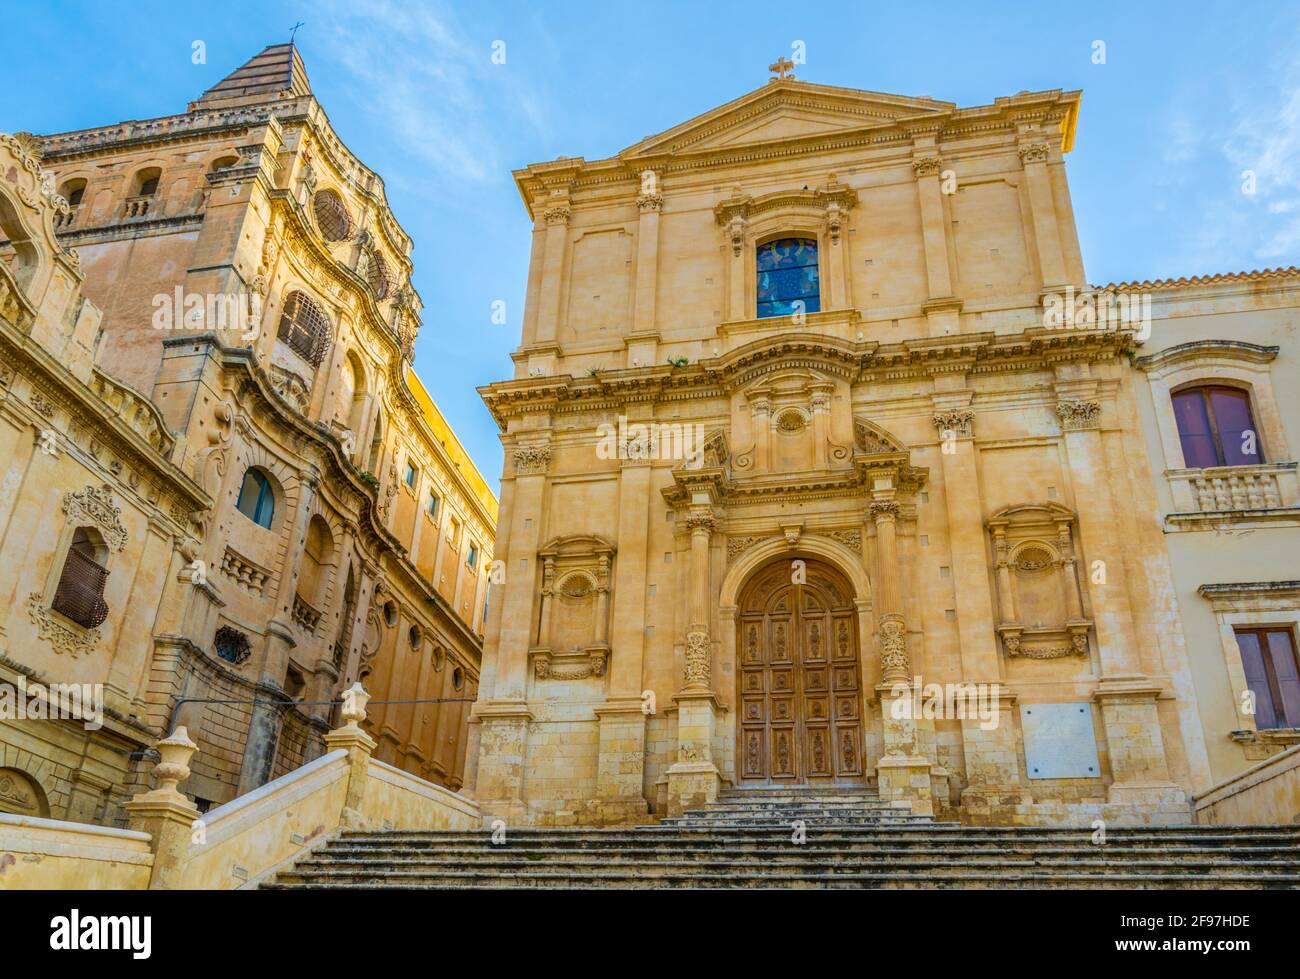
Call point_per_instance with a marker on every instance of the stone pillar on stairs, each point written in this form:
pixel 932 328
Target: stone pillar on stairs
pixel 903 771
pixel 694 779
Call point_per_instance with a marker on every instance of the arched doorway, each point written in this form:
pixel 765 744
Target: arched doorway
pixel 798 677
pixel 21 795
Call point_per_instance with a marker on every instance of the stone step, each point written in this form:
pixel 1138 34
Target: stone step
pixel 936 833
pixel 778 863
pixel 518 877
pixel 340 851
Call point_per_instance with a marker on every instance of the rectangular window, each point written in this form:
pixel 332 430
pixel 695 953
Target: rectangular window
pixel 471 556
pixel 1273 674
pixel 433 504
pixel 411 474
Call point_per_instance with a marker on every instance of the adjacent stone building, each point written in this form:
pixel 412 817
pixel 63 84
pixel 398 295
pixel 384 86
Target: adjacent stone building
pixel 224 488
pixel 805 419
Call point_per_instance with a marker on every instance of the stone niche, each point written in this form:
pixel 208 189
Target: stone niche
pixel 1040 612
pixel 573 627
pixel 793 422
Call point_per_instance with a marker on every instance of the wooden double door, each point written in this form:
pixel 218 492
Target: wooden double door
pixel 800 683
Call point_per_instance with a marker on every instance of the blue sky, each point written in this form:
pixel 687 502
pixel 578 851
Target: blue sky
pixel 1190 96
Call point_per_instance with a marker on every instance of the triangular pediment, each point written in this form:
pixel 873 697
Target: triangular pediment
pixel 785 111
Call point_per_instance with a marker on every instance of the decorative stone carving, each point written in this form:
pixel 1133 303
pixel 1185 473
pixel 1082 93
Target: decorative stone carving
pixel 649 202
pixel 852 539
pixel 698 668
pixel 894 661
pixel 1033 153
pixel 884 510
pixel 559 214
pixel 97 506
pixel 595 667
pixel 290 387
pixel 1078 415
pixel 926 166
pixel 532 459
pixel 960 422
pixel 737 546
pixel 870 440
pixel 60 634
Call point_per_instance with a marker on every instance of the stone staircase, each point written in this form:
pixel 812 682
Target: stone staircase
pixel 851 839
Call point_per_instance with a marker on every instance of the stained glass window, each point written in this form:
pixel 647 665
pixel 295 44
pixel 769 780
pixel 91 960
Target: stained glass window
pixel 787 276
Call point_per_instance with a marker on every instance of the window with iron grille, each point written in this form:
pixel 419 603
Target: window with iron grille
pixel 232 645
pixel 378 277
pixel 332 216
pixel 80 594
pixel 305 328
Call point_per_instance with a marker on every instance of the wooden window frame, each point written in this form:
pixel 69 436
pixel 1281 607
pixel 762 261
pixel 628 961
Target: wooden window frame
pixel 1205 391
pixel 1261 633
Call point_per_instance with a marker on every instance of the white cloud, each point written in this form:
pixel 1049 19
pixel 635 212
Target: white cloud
pixel 429 84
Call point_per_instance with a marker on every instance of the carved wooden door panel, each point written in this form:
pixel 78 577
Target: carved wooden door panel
pixel 800 690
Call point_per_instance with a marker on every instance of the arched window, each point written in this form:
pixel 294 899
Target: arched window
pixel 1216 427
pixel 256 499
pixel 305 329
pixel 332 216
pixel 787 275
pixel 73 191
pixel 223 163
pixel 146 182
pixel 80 594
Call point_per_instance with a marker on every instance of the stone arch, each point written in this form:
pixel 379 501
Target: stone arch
pixel 21 253
pixel 847 562
pixel 22 795
pixel 844 560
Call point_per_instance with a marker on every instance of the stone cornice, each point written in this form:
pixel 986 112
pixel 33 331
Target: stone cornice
pixel 872 120
pixel 1035 348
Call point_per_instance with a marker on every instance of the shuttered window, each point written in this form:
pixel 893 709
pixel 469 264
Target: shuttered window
pixel 80 594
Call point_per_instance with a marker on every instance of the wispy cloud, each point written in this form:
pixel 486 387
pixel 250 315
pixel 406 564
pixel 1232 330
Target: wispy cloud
pixel 429 83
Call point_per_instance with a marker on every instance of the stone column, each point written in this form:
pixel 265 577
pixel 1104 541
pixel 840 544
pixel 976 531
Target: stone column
pixel 737 273
pixel 1034 156
pixel 943 307
pixel 556 216
pixel 1130 717
pixel 761 423
pixel 694 779
pixel 621 750
pixel 648 204
pixel 991 755
pixel 502 719
pixel 903 772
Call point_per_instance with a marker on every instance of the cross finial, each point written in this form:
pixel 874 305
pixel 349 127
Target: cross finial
pixel 294 32
pixel 782 68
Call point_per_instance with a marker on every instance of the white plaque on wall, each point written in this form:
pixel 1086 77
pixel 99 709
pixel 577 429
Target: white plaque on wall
pixel 1059 741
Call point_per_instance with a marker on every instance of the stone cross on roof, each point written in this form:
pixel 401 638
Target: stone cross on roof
pixel 782 68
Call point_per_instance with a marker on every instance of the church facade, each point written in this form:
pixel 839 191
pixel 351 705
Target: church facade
pixel 226 495
pixel 824 465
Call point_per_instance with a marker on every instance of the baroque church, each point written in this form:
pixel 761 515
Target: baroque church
pixel 908 445
pixel 226 495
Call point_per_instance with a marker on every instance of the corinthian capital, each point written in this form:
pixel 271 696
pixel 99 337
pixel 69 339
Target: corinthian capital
pixel 532 459
pixel 1033 153
pixel 960 422
pixel 1078 415
pixel 926 166
pixel 559 214
pixel 884 510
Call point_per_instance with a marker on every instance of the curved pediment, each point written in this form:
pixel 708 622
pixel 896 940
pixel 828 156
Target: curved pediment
pixel 870 439
pixel 577 544
pixel 789 351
